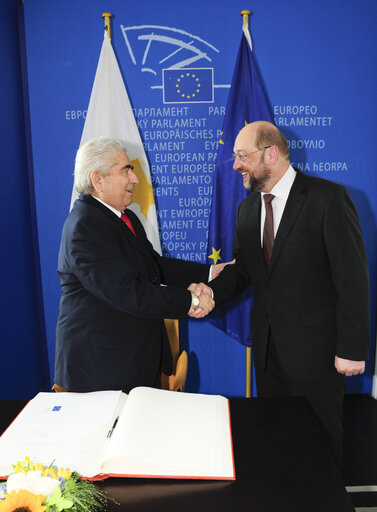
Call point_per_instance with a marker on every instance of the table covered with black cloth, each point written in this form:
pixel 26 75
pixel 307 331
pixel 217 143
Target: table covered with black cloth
pixel 282 465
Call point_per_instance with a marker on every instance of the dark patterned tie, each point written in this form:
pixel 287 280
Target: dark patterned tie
pixel 268 230
pixel 127 221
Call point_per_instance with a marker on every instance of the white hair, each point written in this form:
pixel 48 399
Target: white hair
pixel 95 155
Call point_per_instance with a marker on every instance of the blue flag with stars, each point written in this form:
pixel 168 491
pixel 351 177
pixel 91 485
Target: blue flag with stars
pixel 247 102
pixel 188 85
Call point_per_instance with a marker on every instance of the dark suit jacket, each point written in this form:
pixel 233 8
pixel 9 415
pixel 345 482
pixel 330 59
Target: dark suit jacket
pixel 110 333
pixel 315 295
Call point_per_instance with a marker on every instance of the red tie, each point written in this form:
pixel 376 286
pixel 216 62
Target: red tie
pixel 268 230
pixel 127 221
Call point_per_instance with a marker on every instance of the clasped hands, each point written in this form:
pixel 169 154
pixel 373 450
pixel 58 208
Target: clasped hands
pixel 206 302
pixel 205 294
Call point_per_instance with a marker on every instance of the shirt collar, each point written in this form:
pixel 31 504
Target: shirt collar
pixel 117 212
pixel 284 185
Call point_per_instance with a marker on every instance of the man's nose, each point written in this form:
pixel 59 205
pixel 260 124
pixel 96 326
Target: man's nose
pixel 237 164
pixel 133 178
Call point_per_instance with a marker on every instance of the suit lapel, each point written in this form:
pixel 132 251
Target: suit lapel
pixel 140 239
pixel 138 242
pixel 296 199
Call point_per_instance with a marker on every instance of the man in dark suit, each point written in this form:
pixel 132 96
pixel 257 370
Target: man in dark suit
pixel 116 290
pixel 298 242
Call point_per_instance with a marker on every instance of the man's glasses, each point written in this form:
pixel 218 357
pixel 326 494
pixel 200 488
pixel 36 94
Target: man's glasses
pixel 241 157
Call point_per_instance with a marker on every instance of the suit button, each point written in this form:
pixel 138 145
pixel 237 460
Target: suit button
pixel 155 280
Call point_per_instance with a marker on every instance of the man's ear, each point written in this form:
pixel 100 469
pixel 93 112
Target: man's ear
pixel 96 179
pixel 273 155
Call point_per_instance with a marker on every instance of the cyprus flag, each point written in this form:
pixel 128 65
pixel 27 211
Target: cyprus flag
pixel 110 115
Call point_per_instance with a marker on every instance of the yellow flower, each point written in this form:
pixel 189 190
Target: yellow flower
pixel 23 501
pixel 65 473
pixel 49 472
pixel 29 464
pixel 19 469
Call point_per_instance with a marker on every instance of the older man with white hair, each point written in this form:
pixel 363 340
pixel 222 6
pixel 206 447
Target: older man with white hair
pixel 116 290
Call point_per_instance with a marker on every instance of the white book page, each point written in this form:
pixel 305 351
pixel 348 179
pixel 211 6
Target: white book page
pixel 169 433
pixel 66 429
pixel 70 408
pixel 78 448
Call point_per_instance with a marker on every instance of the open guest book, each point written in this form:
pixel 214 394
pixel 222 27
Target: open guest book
pixel 149 433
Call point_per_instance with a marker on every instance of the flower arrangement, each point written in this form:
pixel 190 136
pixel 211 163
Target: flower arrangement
pixel 38 488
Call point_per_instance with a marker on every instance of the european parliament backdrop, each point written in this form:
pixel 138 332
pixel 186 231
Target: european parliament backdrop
pixel 317 62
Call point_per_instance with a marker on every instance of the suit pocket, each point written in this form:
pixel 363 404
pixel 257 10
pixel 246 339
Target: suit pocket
pixel 317 316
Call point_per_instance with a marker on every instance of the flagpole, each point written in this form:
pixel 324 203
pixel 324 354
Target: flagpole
pixel 107 16
pixel 245 13
pixel 247 102
pixel 248 372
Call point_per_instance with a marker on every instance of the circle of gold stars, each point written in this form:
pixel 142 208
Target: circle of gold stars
pixel 183 80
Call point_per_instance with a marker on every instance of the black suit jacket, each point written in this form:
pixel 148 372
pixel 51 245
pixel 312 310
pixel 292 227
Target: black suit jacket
pixel 315 295
pixel 110 333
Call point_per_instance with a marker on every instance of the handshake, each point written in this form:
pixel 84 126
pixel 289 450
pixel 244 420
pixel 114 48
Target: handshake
pixel 206 302
pixel 205 294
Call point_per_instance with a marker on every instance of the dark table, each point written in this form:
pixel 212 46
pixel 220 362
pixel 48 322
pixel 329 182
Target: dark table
pixel 282 465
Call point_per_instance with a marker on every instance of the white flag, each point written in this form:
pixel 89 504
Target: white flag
pixel 110 115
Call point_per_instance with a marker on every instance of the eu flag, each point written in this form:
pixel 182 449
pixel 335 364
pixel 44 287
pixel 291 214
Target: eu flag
pixel 247 102
pixel 188 85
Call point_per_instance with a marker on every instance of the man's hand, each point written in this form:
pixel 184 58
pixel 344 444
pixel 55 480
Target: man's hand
pixel 349 368
pixel 206 305
pixel 192 287
pixel 200 289
pixel 217 269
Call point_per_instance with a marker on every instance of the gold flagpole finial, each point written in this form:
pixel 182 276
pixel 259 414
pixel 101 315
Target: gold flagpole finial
pixel 245 13
pixel 107 16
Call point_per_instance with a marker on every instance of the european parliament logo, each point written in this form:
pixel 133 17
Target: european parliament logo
pixel 188 85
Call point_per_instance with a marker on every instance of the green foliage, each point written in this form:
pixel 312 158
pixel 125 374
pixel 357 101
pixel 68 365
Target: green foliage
pixel 77 496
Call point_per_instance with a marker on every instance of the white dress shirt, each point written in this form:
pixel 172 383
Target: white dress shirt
pixel 117 212
pixel 281 192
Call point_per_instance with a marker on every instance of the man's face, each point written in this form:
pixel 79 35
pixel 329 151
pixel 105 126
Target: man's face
pixel 255 172
pixel 116 189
